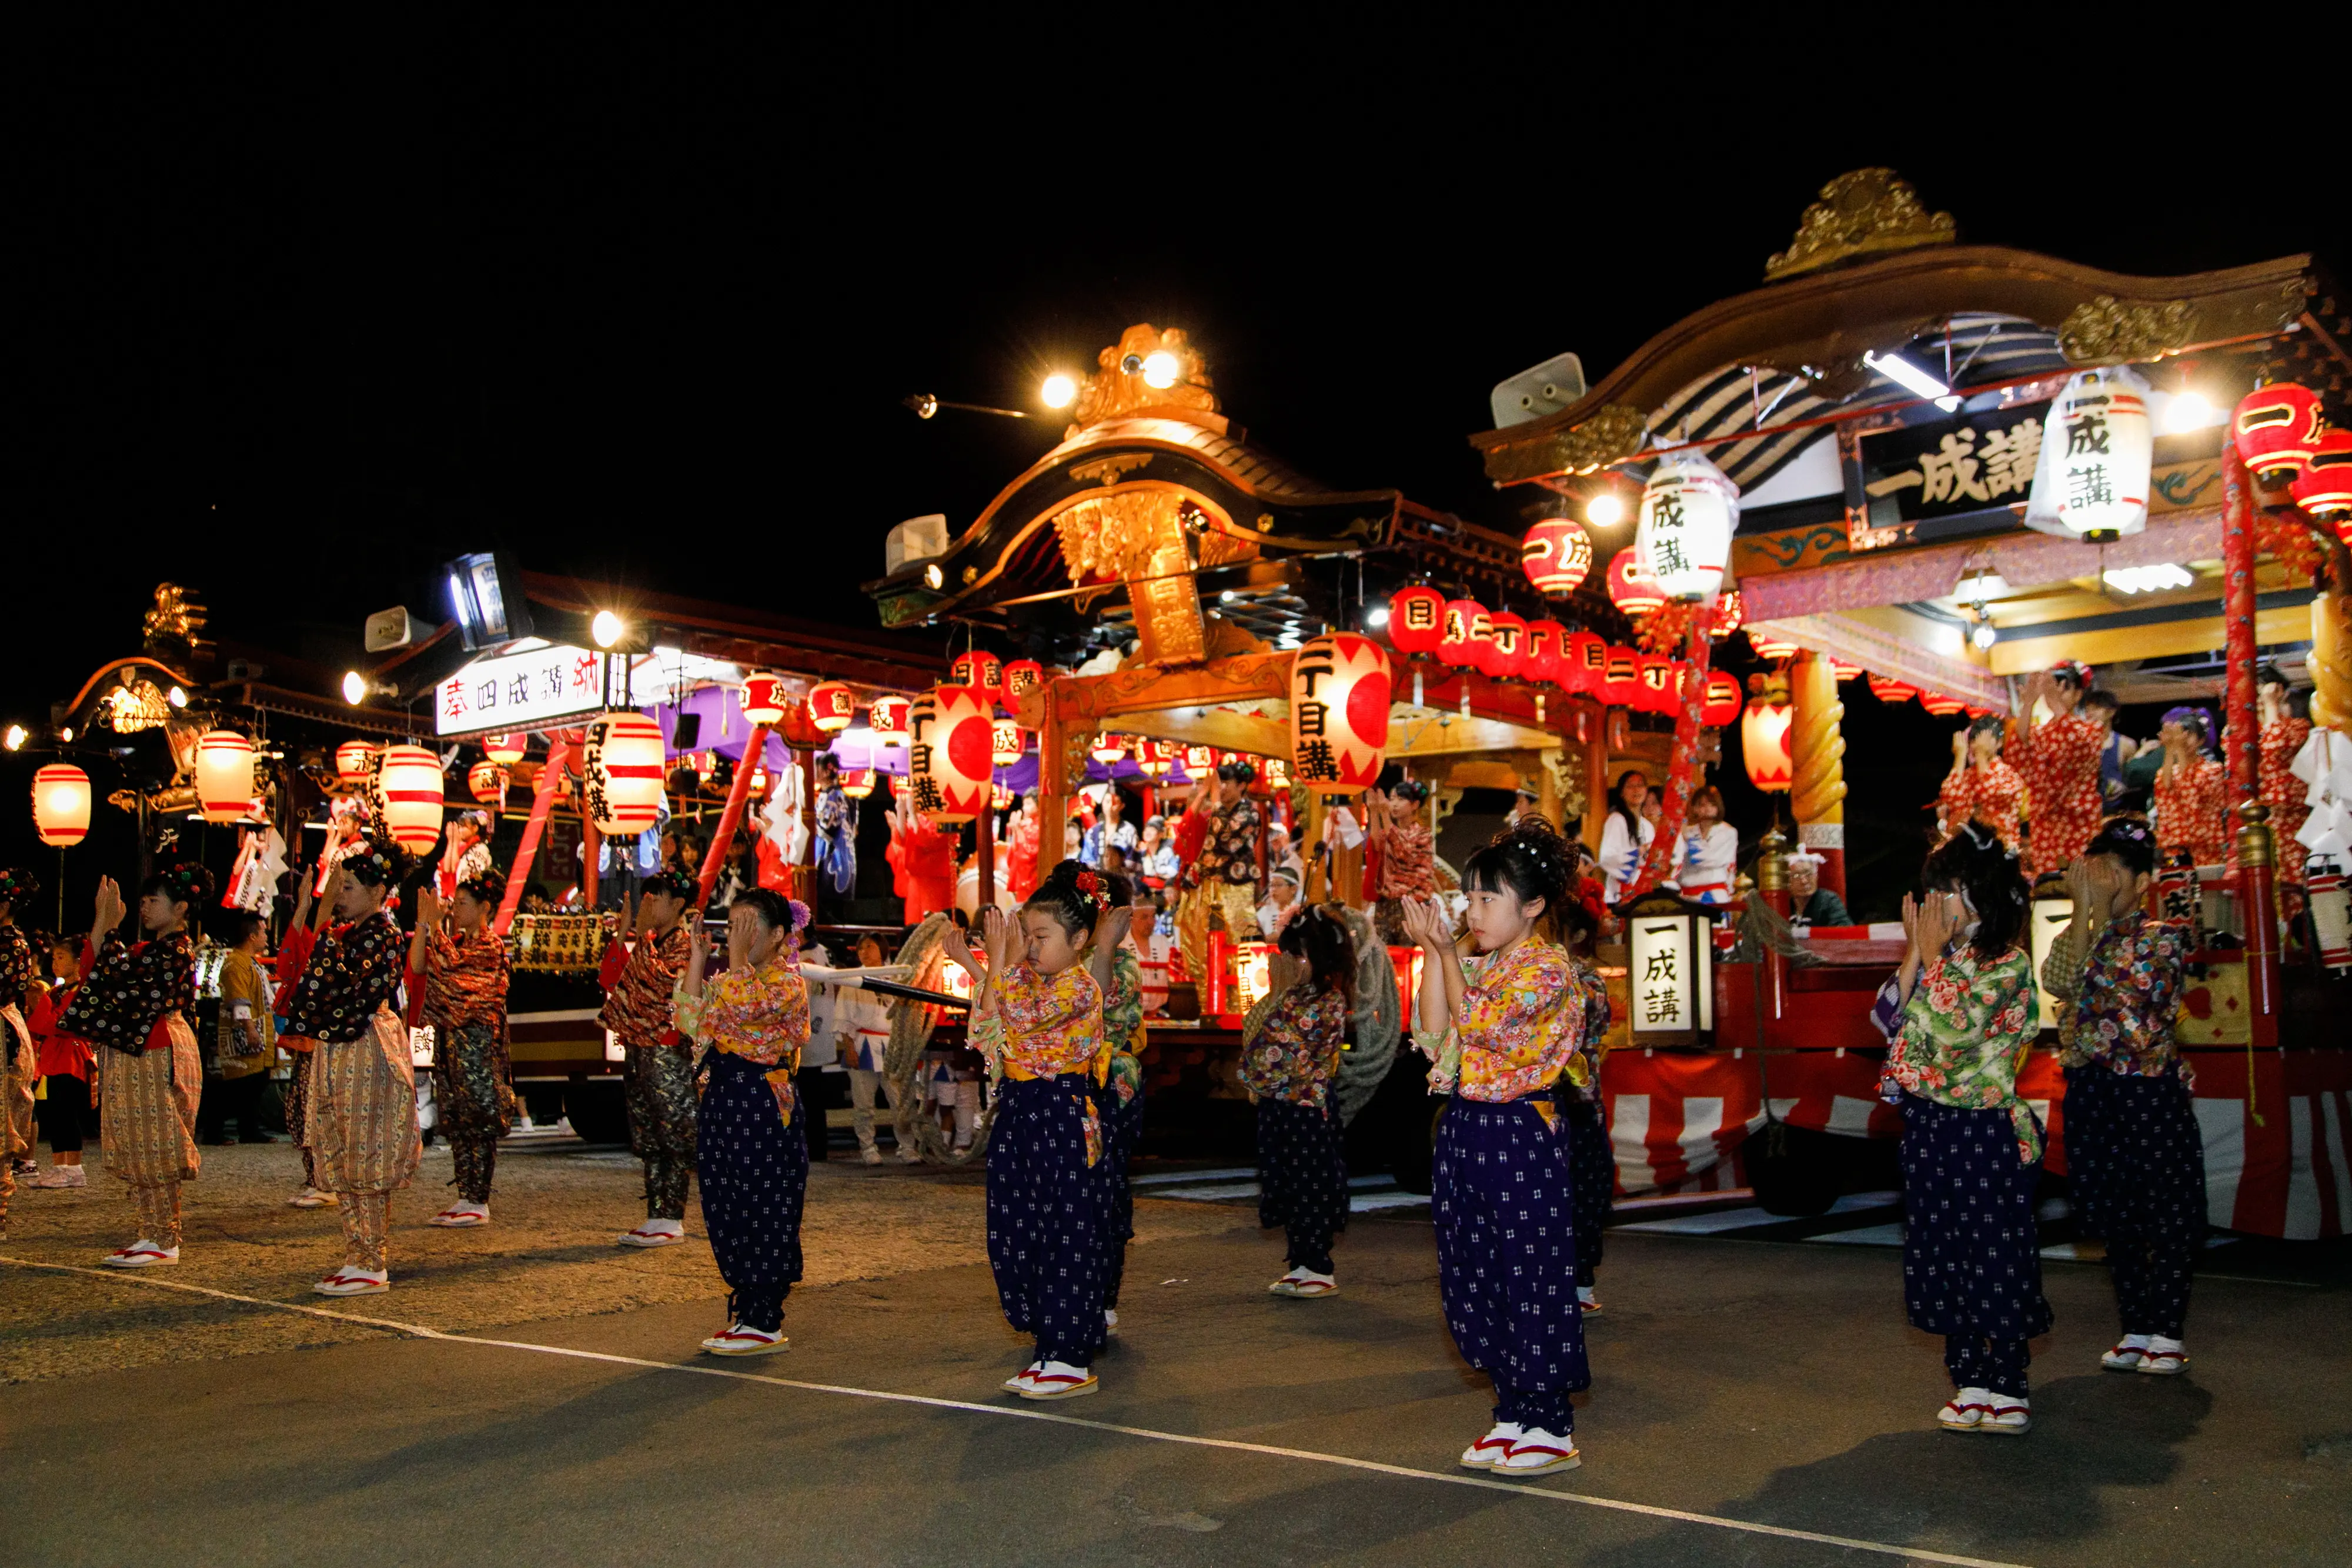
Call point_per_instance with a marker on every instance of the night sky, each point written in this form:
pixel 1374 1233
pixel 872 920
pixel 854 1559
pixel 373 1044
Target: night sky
pixel 298 318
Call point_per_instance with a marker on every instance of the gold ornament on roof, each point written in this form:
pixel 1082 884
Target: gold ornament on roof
pixel 135 705
pixel 172 626
pixel 2105 331
pixel 1866 212
pixel 1124 383
pixel 1614 433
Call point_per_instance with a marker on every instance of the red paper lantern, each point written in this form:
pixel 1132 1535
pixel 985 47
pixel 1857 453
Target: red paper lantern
pixel 831 706
pixel 1338 712
pixel 1506 653
pixel 1556 554
pixel 1723 700
pixel 947 733
pixel 1764 742
pixel 506 751
pixel 1466 626
pixel 1769 644
pixel 2324 488
pixel 1657 677
pixel 1416 619
pixel 623 772
pixel 1199 761
pixel 1021 677
pixel 1940 706
pixel 2277 429
pixel 887 719
pixel 1631 588
pixel 1844 671
pixel 1888 689
pixel 1620 678
pixel 1545 645
pixel 1730 615
pixel 978 669
pixel 1583 662
pixel 1109 749
pixel 765 700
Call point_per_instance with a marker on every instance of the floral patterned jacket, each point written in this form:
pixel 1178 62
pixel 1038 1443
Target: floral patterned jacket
pixel 1295 1049
pixel 1231 855
pixel 465 981
pixel 132 990
pixel 1961 1037
pixel 2119 1000
pixel 15 966
pixel 1123 1022
pixel 1519 1030
pixel 760 1015
pixel 1048 1025
pixel 1595 991
pixel 352 971
pixel 638 983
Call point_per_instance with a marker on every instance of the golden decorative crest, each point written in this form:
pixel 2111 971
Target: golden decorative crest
pixel 1123 384
pixel 1110 470
pixel 176 619
pixel 1614 433
pixel 137 704
pixel 2105 331
pixel 1138 533
pixel 1864 213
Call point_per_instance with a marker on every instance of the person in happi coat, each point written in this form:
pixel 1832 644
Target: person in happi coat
pixel 1291 1042
pixel 133 1005
pixel 464 970
pixel 1505 1028
pixel 2191 789
pixel 2134 1155
pixel 1625 835
pixel 1981 787
pixel 2059 759
pixel 751 1153
pixel 1037 1014
pixel 360 1125
pixel 19 1064
pixel 1710 849
pixel 1223 881
pixel 657 1062
pixel 1112 960
pixel 246 1038
pixel 1960 1015
pixel 2286 725
pixel 1401 841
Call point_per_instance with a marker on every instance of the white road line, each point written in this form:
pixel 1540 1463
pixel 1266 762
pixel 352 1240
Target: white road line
pixel 1404 1472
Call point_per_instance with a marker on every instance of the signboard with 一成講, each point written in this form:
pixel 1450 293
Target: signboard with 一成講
pixel 1951 467
pixel 519 691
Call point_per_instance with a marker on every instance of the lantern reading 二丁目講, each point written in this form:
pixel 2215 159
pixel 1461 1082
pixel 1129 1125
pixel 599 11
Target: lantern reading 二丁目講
pixel 1545 644
pixel 1583 662
pixel 1466 627
pixel 1505 652
pixel 1723 700
pixel 1338 712
pixel 978 669
pixel 1620 677
pixel 1022 676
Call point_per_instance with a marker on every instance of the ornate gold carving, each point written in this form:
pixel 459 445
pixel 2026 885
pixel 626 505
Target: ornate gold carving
pixel 1771 864
pixel 2254 835
pixel 2330 662
pixel 1816 747
pixel 1109 470
pixel 1615 432
pixel 176 619
pixel 137 704
pixel 1114 389
pixel 1865 213
pixel 2105 331
pixel 1137 534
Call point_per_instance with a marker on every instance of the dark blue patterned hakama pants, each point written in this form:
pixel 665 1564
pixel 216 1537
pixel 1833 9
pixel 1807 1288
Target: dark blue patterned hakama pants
pixel 1302 1179
pixel 1049 1213
pixel 1593 1161
pixel 2135 1160
pixel 754 1172
pixel 1972 1257
pixel 1122 1130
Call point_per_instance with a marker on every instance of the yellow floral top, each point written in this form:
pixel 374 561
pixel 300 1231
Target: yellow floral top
pixel 1046 1025
pixel 1519 1030
pixel 762 1014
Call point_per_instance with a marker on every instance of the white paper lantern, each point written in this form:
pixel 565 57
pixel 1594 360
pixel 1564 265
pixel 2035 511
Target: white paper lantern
pixel 62 805
pixel 355 762
pixel 1338 712
pixel 948 768
pixel 487 780
pixel 1690 509
pixel 410 784
pixel 2091 481
pixel 621 772
pixel 223 776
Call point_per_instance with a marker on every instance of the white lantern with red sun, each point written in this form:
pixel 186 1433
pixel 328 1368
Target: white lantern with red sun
pixel 1338 712
pixel 947 753
pixel 1764 738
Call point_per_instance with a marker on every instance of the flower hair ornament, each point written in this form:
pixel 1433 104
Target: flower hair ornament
pixel 672 885
pixel 17 886
pixel 185 883
pixel 1091 886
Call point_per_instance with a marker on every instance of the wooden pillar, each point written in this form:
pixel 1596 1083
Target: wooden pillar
pixel 1547 791
pixel 591 843
pixel 805 877
pixel 1053 779
pixel 1817 762
pixel 1596 770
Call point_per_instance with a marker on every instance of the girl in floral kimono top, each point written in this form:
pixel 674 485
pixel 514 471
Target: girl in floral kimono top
pixel 751 1138
pixel 1038 1015
pixel 1291 1044
pixel 1506 1029
pixel 1959 1016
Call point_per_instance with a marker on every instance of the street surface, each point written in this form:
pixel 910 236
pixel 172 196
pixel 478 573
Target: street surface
pixel 530 1393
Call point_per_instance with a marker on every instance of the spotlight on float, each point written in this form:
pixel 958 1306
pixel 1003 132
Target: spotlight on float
pixel 176 698
pixel 1160 369
pixel 357 688
pixel 1375 616
pixel 607 628
pixel 15 739
pixel 1059 391
pixel 1605 511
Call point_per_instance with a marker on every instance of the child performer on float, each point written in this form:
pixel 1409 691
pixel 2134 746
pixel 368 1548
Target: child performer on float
pixel 2134 1153
pixel 1981 787
pixel 1037 1013
pixel 2058 760
pixel 657 1063
pixel 1959 1016
pixel 1116 969
pixel 2191 789
pixel 1710 850
pixel 134 1002
pixel 2286 725
pixel 19 1064
pixel 464 963
pixel 1505 1028
pixel 751 1136
pixel 1291 1042
pixel 361 1126
pixel 1407 854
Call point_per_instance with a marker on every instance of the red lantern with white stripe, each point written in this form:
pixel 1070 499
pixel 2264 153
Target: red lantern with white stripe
pixel 355 762
pixel 62 805
pixel 765 699
pixel 1730 615
pixel 1108 748
pixel 223 776
pixel 1620 678
pixel 1545 645
pixel 410 784
pixel 1556 554
pixel 1006 741
pixel 1416 619
pixel 506 751
pixel 1505 652
pixel 1338 712
pixel 487 782
pixel 1889 690
pixel 1466 626
pixel 1940 706
pixel 621 773
pixel 1723 700
pixel 887 719
pixel 2324 488
pixel 1199 761
pixel 831 707
pixel 1583 663
pixel 949 739
pixel 1631 588
pixel 1771 645
pixel 2277 429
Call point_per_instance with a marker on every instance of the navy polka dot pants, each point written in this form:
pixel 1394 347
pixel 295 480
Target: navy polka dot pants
pixel 2136 1160
pixel 1302 1179
pixel 1972 1257
pixel 1122 1130
pixel 1048 1214
pixel 754 1175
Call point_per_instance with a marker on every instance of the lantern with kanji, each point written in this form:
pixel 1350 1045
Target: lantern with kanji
pixel 887 719
pixel 1690 509
pixel 1620 677
pixel 1767 644
pixel 978 669
pixel 410 782
pixel 355 762
pixel 2324 488
pixel 1338 712
pixel 1544 645
pixel 1890 691
pixel 2096 448
pixel 1556 554
pixel 506 751
pixel 1277 776
pixel 948 748
pixel 224 774
pixel 1006 741
pixel 1506 653
pixel 765 699
pixel 62 805
pixel 1723 700
pixel 1657 677
pixel 1155 758
pixel 2277 428
pixel 486 781
pixel 1022 676
pixel 1730 615
pixel 831 707
pixel 858 782
pixel 1109 749
pixel 1764 736
pixel 1416 619
pixel 1583 662
pixel 1199 761
pixel 621 773
pixel 1631 588
pixel 1466 628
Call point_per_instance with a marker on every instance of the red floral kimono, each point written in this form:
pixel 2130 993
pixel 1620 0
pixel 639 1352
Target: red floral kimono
pixel 2060 765
pixel 2189 809
pixel 2282 792
pixel 1988 795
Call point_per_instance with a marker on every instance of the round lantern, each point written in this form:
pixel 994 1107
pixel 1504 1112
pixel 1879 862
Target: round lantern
pixel 979 669
pixel 1006 741
pixel 1022 676
pixel 1889 690
pixel 1583 661
pixel 1338 712
pixel 2277 428
pixel 831 707
pixel 2324 488
pixel 2096 448
pixel 1275 775
pixel 1631 588
pixel 1722 705
pixel 1730 615
pixel 1690 509
pixel 1466 626
pixel 1620 678
pixel 487 782
pixel 1764 740
pixel 1545 644
pixel 1108 748
pixel 62 805
pixel 1505 651
pixel 621 768
pixel 1657 676
pixel 764 699
pixel 1769 644
pixel 947 753
pixel 506 751
pixel 355 762
pixel 1940 706
pixel 1843 670
pixel 887 719
pixel 1155 758
pixel 223 776
pixel 1556 554
pixel 1416 619
pixel 410 781
pixel 858 782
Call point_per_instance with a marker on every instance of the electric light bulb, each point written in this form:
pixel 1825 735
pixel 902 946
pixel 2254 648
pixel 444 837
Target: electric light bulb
pixel 1604 511
pixel 606 627
pixel 354 687
pixel 2189 411
pixel 1377 616
pixel 1160 369
pixel 1059 391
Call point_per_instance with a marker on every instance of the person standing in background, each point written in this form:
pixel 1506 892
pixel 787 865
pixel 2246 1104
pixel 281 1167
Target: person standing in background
pixel 19 1065
pixel 1981 787
pixel 2191 789
pixel 658 1061
pixel 2058 760
pixel 1710 850
pixel 1408 855
pixel 1626 834
pixel 1810 903
pixel 66 1063
pixel 2286 725
pixel 464 968
pixel 247 1040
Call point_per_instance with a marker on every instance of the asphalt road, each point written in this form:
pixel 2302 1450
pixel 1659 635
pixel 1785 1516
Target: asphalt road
pixel 1744 1390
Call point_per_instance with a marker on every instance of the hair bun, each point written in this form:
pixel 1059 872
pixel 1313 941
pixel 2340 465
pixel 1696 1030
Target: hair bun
pixel 487 886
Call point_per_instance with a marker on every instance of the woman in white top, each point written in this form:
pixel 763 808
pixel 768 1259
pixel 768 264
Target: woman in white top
pixel 1625 836
pixel 1710 849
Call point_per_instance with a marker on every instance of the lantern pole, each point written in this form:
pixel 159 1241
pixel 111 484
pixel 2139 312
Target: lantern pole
pixel 722 838
pixel 542 800
pixel 592 843
pixel 984 830
pixel 1596 772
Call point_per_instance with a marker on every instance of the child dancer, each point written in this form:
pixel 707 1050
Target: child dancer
pixel 1038 1015
pixel 19 1066
pixel 1290 1050
pixel 466 976
pixel 1116 969
pixel 66 1065
pixel 2133 1148
pixel 751 1134
pixel 1505 1028
pixel 657 1065
pixel 1960 1015
pixel 134 1001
